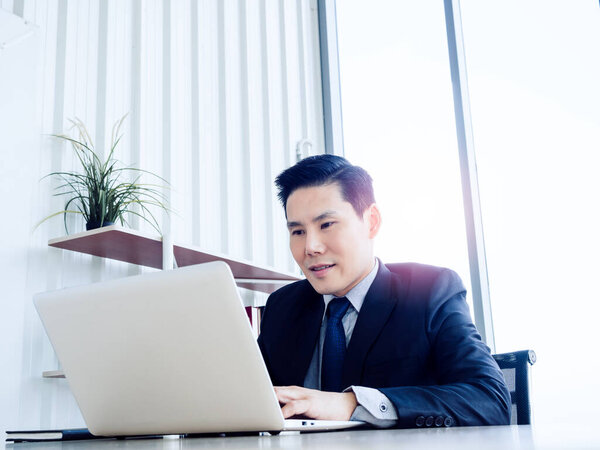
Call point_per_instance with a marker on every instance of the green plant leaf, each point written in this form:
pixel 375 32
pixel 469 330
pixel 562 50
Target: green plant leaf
pixel 97 192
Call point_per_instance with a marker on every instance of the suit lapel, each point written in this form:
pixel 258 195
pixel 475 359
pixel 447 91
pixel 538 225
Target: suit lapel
pixel 374 313
pixel 307 325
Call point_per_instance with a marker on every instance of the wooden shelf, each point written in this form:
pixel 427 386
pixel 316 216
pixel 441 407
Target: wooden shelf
pixel 131 246
pixel 115 242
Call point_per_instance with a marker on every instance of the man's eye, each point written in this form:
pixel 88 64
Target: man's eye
pixel 327 225
pixel 297 232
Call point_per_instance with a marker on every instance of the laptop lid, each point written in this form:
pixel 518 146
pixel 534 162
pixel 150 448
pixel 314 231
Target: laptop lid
pixel 167 352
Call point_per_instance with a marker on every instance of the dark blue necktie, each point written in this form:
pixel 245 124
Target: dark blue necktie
pixel 334 346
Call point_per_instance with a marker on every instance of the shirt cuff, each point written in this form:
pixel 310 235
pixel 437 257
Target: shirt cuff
pixel 373 407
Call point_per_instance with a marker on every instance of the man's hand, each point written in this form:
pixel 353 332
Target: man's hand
pixel 313 404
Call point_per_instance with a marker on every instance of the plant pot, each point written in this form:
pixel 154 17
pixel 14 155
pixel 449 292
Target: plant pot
pixel 92 225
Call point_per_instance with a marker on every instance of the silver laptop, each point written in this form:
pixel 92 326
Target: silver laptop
pixel 165 353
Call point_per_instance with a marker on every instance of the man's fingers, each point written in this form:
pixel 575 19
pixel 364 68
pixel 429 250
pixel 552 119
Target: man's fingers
pixel 295 408
pixel 287 393
pixel 295 399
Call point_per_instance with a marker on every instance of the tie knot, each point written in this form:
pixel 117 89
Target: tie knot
pixel 337 308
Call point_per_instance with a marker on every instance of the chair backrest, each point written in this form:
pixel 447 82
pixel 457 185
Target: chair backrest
pixel 515 367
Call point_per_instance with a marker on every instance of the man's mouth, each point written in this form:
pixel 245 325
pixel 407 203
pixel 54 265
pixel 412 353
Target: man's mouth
pixel 320 267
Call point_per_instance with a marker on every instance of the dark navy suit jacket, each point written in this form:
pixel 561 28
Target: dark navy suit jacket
pixel 413 340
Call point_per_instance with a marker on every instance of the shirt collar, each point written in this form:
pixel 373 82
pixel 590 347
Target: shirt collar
pixel 356 295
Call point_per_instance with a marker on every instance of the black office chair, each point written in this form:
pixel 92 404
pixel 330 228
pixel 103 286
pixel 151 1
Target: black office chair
pixel 515 367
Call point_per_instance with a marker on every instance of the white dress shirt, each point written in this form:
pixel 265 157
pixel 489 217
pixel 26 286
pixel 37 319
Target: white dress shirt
pixel 373 407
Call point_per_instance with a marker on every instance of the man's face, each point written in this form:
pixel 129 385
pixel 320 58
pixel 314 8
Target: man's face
pixel 332 245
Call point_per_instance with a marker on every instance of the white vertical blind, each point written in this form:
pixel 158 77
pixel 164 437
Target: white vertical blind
pixel 217 94
pixel 211 89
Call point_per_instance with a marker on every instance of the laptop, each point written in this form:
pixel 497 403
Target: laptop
pixel 168 352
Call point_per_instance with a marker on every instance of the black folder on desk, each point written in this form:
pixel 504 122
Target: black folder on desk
pixel 82 434
pixel 74 434
pixel 70 434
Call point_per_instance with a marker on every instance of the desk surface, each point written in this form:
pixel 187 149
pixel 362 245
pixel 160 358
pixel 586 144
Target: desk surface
pixel 504 437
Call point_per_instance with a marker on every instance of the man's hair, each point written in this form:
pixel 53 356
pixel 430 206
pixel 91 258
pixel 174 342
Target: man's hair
pixel 355 183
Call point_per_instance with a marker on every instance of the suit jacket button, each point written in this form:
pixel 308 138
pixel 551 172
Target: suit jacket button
pixel 420 421
pixel 439 421
pixel 448 422
pixel 429 421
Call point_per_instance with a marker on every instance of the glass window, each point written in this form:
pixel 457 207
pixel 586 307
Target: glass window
pixel 398 119
pixel 534 76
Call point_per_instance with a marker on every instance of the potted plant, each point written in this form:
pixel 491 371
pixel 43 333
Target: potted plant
pixel 100 191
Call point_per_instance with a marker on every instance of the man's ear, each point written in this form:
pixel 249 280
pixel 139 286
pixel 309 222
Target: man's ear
pixel 372 217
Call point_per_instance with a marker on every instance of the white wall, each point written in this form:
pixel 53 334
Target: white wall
pixel 218 95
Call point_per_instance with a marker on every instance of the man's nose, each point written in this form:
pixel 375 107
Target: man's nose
pixel 313 244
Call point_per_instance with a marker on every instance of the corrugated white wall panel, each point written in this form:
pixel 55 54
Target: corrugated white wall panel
pixel 17 188
pixel 259 179
pixel 218 94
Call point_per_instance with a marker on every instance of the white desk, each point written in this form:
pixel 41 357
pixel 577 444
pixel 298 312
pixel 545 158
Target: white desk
pixel 479 438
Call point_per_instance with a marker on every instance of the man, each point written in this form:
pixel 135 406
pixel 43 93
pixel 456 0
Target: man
pixel 359 341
